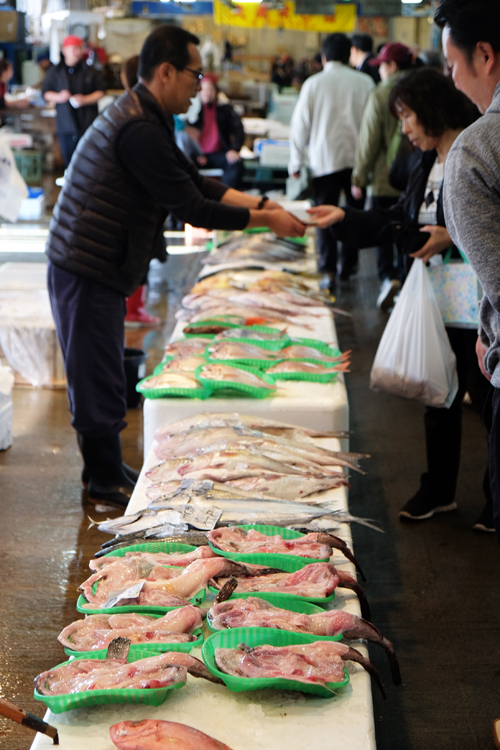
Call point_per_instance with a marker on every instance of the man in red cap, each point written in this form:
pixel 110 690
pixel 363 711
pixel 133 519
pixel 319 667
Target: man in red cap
pixel 75 88
pixel 221 133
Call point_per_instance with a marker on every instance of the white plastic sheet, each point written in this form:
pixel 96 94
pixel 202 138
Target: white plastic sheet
pixel 13 189
pixel 414 358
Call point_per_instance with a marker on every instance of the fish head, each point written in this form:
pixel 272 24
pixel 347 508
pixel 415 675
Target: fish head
pixel 118 648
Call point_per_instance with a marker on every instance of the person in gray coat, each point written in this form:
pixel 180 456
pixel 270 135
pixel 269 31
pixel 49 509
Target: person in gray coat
pixel 471 42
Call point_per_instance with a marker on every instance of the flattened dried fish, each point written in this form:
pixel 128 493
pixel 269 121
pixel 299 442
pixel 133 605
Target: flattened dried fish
pixel 227 374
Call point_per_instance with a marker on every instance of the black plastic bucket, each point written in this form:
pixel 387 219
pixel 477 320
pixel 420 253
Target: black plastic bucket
pixel 135 370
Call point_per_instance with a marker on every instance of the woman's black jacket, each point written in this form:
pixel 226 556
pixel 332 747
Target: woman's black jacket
pixel 399 223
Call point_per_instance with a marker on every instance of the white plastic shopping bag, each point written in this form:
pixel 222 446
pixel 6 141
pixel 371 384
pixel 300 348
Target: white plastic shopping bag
pixel 13 188
pixel 414 358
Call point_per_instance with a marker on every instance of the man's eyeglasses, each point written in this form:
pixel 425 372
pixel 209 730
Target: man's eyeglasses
pixel 196 73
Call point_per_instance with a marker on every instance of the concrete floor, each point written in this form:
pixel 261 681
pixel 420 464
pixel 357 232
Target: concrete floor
pixel 433 587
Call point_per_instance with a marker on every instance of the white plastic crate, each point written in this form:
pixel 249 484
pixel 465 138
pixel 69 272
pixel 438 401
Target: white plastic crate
pixel 31 207
pixel 6 426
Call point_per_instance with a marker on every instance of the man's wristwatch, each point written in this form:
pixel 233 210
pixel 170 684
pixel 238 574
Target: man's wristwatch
pixel 262 202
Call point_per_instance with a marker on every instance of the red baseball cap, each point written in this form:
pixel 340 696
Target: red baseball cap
pixel 211 77
pixel 72 41
pixel 393 52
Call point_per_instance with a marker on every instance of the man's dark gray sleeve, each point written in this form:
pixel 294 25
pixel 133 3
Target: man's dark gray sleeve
pixel 472 212
pixel 148 154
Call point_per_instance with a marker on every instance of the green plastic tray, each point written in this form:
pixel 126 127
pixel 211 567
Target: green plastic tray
pixel 159 368
pixel 257 364
pixel 289 603
pixel 142 609
pixel 259 637
pixel 271 346
pixel 330 351
pixel 249 390
pixel 199 392
pixel 308 377
pixel 219 321
pixel 142 650
pixel 150 697
pixel 289 563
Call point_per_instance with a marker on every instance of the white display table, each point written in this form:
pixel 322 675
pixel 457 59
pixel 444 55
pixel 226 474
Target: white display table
pixel 264 720
pixel 322 406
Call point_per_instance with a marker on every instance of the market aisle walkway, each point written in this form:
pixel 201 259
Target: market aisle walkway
pixel 433 588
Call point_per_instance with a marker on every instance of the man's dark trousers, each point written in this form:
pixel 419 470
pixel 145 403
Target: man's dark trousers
pixel 68 143
pixel 384 254
pixel 233 173
pixel 89 319
pixel 492 423
pixel 327 189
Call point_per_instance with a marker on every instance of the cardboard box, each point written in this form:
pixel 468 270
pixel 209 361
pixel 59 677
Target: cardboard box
pixel 11 26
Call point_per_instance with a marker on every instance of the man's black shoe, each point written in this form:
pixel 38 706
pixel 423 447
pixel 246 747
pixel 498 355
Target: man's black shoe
pixel 485 520
pixel 423 506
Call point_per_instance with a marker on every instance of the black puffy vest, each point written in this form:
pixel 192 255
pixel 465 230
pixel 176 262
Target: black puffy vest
pixel 105 226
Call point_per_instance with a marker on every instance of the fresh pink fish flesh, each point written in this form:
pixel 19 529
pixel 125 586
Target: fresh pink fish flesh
pixel 308 367
pixel 81 675
pixel 317 663
pixel 235 350
pixel 178 559
pixel 154 734
pixel 97 631
pixel 229 375
pixel 259 613
pixel 165 587
pixel 240 541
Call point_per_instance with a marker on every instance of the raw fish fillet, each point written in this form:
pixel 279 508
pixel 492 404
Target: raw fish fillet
pixel 154 734
pixel 172 380
pixel 117 673
pixel 233 350
pixel 97 631
pixel 240 541
pixel 317 580
pixel 186 347
pixel 81 675
pixel 178 559
pixel 259 613
pixel 227 374
pixel 249 333
pixel 316 545
pixel 296 351
pixel 165 587
pixel 316 663
pixel 184 364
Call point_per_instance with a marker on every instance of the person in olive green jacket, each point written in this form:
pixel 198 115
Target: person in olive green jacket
pixel 377 144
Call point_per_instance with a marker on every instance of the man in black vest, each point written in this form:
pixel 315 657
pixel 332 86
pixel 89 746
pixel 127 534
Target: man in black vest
pixel 125 177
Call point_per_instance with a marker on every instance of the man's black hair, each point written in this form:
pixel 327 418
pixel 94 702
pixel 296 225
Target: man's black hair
pixel 439 106
pixel 165 44
pixel 470 22
pixel 363 42
pixel 337 47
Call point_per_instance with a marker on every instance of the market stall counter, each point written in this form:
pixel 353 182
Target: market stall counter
pixel 258 720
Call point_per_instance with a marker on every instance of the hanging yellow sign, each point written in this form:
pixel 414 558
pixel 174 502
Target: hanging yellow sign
pixel 259 16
